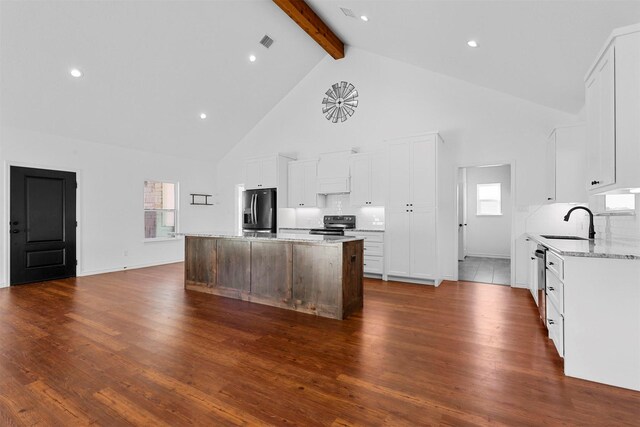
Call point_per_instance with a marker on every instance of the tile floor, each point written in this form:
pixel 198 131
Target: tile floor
pixel 485 270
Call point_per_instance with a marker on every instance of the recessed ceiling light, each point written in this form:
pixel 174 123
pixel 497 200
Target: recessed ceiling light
pixel 472 43
pixel 364 18
pixel 75 72
pixel 203 116
pixel 252 58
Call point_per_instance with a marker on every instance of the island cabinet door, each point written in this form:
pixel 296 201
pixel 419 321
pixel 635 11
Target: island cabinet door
pixel 317 284
pixel 272 271
pixel 200 261
pixel 234 265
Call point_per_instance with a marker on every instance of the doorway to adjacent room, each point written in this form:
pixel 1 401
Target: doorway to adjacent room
pixel 484 224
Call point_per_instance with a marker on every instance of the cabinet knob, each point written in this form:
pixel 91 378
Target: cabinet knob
pixel 532 258
pixel 551 263
pixel 551 321
pixel 551 288
pixel 549 198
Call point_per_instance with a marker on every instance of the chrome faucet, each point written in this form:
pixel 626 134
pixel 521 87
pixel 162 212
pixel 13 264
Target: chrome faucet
pixel 592 231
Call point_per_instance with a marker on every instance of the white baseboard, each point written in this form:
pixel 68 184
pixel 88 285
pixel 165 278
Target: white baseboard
pixel 412 281
pixel 128 267
pixel 520 285
pixel 490 256
pixel 3 285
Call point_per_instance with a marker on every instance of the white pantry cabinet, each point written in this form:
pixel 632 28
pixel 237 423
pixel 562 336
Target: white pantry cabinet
pixel 612 91
pixel 368 179
pixel 411 211
pixel 302 184
pixel 565 169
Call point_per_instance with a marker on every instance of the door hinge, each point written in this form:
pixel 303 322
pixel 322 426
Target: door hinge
pixel 76 262
pixel 76 223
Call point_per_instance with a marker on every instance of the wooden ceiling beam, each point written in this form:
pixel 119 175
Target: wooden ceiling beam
pixel 306 18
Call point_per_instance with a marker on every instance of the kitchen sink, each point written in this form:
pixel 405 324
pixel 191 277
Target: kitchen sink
pixel 552 237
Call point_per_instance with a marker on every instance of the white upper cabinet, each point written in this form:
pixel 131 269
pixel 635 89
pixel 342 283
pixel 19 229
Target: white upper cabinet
pixel 302 184
pixel 612 108
pixel 368 179
pixel 261 173
pixel 268 172
pixel 253 174
pixel 566 171
pixel 600 107
pixel 550 169
pixel 400 177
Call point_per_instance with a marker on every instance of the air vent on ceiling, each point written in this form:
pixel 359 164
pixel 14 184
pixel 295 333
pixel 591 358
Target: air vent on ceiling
pixel 266 41
pixel 348 12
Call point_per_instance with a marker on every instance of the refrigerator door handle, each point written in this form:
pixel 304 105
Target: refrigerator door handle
pixel 254 209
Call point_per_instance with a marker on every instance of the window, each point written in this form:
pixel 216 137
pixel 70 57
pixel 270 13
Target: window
pixel 160 214
pixel 489 199
pixel 619 202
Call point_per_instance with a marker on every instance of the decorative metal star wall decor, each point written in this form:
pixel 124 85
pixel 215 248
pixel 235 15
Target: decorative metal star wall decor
pixel 340 102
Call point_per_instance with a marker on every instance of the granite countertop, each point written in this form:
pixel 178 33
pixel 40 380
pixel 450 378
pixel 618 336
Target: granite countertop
pixel 349 230
pixel 281 237
pixel 598 248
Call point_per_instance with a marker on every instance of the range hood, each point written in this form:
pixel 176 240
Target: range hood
pixel 334 175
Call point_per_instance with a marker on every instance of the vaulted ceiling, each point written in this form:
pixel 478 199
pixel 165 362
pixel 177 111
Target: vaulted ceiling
pixel 152 67
pixel 537 50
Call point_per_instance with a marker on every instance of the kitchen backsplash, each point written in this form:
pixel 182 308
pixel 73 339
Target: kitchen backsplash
pixel 369 217
pixel 548 219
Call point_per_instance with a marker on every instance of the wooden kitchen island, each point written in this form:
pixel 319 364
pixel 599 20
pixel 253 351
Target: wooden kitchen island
pixel 319 275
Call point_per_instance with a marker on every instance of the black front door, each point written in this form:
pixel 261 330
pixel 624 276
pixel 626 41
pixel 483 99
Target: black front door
pixel 42 225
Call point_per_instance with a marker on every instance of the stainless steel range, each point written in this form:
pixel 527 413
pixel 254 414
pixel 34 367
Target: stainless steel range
pixel 334 225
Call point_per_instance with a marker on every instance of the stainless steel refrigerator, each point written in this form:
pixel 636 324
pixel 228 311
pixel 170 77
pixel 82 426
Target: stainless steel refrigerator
pixel 259 210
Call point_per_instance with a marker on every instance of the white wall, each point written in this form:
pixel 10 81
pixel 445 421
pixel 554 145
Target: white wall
pixel 110 186
pixel 478 125
pixel 489 236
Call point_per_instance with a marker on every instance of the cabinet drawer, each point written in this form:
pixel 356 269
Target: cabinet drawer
pixel 555 291
pixel 373 264
pixel 555 323
pixel 368 237
pixel 373 248
pixel 555 264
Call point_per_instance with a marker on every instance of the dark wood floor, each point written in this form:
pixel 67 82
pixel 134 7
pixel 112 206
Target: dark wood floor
pixel 135 348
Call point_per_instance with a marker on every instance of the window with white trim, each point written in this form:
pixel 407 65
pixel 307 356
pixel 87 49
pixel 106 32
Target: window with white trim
pixel 160 213
pixel 619 202
pixel 489 199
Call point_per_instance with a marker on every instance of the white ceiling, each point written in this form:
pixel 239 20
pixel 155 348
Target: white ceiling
pixel 536 50
pixel 151 67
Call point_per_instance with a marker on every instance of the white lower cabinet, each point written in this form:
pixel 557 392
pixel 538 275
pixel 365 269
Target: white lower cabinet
pixel 373 251
pixel 532 268
pixel 398 225
pixel 412 243
pixel 602 320
pixel 555 300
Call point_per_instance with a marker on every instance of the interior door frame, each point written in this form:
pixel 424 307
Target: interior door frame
pixel 7 212
pixel 512 246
